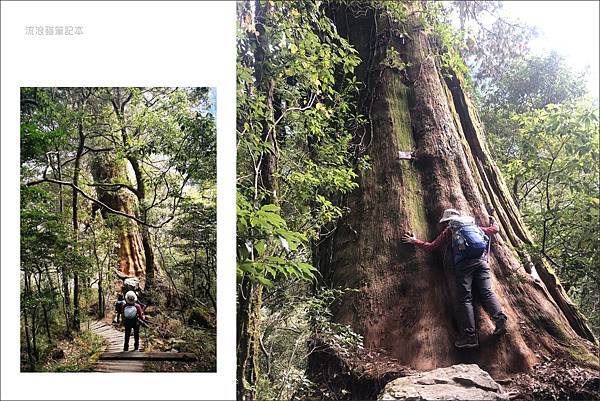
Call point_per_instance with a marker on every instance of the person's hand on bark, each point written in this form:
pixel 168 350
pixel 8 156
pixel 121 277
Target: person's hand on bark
pixel 409 238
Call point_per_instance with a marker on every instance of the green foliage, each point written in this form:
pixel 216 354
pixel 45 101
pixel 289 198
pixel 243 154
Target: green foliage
pixel 310 68
pixel 46 241
pixel 292 321
pixel 266 248
pixel 47 248
pixel 544 133
pixel 196 153
pixel 168 334
pixel 552 163
pixel 296 106
pixel 80 355
pixel 394 61
pixel 35 143
pixel 534 82
pixel 339 336
pixel 492 42
pixel 44 123
pixel 448 42
pixel 194 264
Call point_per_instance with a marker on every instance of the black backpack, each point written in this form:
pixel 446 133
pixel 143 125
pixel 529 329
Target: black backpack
pixel 119 306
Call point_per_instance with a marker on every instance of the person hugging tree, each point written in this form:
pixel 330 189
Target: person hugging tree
pixel 469 244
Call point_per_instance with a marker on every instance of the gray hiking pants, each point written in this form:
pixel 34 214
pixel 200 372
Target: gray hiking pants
pixel 475 273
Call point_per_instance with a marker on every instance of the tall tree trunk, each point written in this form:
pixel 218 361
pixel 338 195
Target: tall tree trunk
pixel 66 299
pixel 250 294
pixel 145 231
pixel 101 303
pixel 29 294
pixel 38 284
pixel 404 302
pixel 208 277
pixel 53 288
pixel 249 318
pixel 149 256
pixel 28 342
pixel 64 274
pixel 75 216
pixel 194 267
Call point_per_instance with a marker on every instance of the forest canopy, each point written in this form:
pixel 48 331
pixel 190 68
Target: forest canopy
pixel 118 190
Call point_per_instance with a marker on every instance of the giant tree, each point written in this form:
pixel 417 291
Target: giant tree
pixel 151 133
pixel 429 152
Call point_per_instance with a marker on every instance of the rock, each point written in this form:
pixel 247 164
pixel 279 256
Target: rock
pixel 457 382
pixel 131 284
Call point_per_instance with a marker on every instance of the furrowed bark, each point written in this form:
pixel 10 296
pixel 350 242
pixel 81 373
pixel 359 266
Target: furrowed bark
pixel 119 106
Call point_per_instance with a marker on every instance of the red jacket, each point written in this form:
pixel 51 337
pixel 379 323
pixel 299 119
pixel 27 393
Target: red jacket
pixel 446 236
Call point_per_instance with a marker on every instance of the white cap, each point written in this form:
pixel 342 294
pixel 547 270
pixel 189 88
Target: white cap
pixel 449 214
pixel 130 297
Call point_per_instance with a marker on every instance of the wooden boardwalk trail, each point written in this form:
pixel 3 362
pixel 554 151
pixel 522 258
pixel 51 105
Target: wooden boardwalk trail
pixel 115 345
pixel 116 360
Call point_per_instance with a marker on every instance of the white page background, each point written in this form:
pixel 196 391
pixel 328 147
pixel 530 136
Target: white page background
pixel 124 44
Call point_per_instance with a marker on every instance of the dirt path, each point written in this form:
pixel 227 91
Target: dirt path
pixel 115 344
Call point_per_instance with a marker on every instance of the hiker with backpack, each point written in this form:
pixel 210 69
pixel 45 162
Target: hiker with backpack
pixel 132 316
pixel 119 304
pixel 470 246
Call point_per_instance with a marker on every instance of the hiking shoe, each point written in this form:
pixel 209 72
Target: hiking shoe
pixel 500 326
pixel 467 341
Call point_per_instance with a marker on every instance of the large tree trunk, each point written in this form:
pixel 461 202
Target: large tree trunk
pixel 107 169
pixel 404 305
pixel 144 231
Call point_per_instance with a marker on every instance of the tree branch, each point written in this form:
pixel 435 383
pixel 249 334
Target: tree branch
pixel 96 201
pixel 115 187
pixel 89 149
